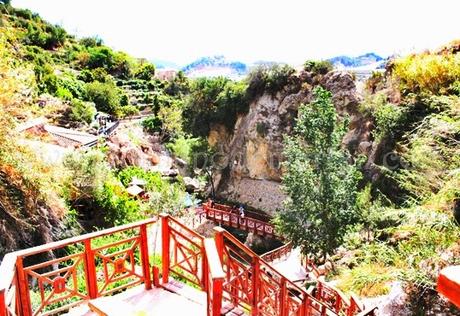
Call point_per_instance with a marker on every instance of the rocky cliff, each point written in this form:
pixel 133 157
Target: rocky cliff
pixel 249 168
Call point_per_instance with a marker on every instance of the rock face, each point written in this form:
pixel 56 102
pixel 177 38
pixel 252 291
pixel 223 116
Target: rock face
pixel 130 146
pixel 249 159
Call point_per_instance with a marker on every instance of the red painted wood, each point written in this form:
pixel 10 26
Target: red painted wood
pixel 449 284
pixel 255 286
pixel 2 303
pixel 156 276
pixel 165 247
pixel 145 257
pixel 217 296
pixel 91 280
pixel 23 289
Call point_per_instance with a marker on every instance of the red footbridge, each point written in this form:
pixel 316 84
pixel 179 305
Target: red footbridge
pixel 126 270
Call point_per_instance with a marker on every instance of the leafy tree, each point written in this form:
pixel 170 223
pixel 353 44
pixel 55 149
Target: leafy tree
pixel 319 181
pixel 82 111
pixel 214 101
pixel 105 95
pixel 146 71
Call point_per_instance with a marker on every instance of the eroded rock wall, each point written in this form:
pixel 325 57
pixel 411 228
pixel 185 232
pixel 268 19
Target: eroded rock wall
pixel 250 157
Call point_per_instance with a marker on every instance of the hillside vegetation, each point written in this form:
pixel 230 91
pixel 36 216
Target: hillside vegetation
pixel 398 202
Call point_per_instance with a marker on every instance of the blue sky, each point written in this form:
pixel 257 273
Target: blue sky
pixel 249 30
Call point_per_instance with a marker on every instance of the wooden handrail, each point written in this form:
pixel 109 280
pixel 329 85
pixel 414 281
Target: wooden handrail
pixel 13 272
pixel 81 238
pixel 277 253
pixel 215 265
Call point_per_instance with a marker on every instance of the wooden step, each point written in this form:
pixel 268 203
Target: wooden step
pixel 110 306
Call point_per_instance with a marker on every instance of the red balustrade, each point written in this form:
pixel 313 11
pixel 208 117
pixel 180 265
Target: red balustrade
pixel 277 253
pixel 229 218
pixel 99 264
pixel 106 262
pixel 183 253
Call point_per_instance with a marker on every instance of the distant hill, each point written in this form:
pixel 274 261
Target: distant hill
pixel 214 66
pixel 369 59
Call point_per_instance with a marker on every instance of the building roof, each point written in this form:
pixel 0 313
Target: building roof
pixel 72 135
pixel 134 190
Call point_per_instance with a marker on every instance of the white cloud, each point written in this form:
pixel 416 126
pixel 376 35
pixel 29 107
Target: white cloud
pixel 285 30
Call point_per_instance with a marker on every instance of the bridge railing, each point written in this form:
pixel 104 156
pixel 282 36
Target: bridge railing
pixel 232 219
pixel 80 268
pixel 278 253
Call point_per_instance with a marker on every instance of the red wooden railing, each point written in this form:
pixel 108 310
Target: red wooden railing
pixel 101 263
pixel 182 253
pixel 106 262
pixel 278 253
pixel 230 218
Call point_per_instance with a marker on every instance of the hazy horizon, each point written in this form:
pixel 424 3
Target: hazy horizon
pixel 284 31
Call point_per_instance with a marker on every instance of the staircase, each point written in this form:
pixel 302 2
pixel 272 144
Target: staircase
pixel 110 272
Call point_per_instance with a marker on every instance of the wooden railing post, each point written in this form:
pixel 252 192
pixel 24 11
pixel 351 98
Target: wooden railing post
pixel 90 264
pixel 216 275
pixel 283 298
pixel 145 257
pixel 2 303
pixel 255 287
pixel 217 291
pixel 165 247
pixel 23 284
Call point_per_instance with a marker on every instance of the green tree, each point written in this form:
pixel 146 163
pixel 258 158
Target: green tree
pixel 146 71
pixel 105 95
pixel 319 182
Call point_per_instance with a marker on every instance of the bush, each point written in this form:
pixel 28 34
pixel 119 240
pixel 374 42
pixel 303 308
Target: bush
pixel 127 110
pixel 388 119
pixel 146 72
pixel 427 72
pixel 82 111
pixel 321 67
pixel 214 101
pixel 100 57
pixel 183 147
pixel 91 42
pixel 270 79
pixel 152 124
pixel 105 96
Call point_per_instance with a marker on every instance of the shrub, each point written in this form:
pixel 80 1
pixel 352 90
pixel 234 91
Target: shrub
pixel 127 110
pixel 82 111
pixel 270 79
pixel 101 57
pixel 91 41
pixel 321 67
pixel 214 101
pixel 152 124
pixel 105 96
pixel 183 147
pixel 86 76
pixel 427 72
pixel 388 119
pixel 64 94
pixel 146 71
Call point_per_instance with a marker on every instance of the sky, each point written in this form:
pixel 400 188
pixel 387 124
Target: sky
pixel 289 31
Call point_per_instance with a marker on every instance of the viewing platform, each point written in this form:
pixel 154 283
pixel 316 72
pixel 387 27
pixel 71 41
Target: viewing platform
pixel 117 271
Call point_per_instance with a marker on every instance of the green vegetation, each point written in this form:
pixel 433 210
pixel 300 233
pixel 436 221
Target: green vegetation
pixel 271 79
pixel 319 67
pixel 214 101
pixel 319 181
